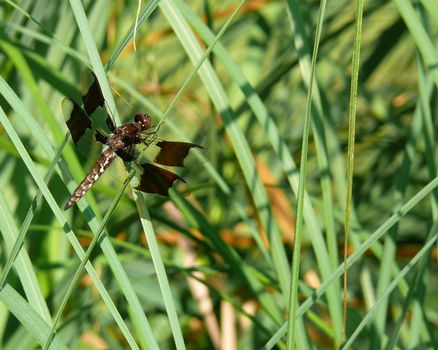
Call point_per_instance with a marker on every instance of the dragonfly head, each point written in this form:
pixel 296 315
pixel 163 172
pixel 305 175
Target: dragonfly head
pixel 144 120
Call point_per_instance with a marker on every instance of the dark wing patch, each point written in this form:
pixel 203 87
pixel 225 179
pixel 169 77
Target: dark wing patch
pixel 173 153
pixel 78 121
pixel 93 98
pixel 100 136
pixel 87 124
pixel 157 180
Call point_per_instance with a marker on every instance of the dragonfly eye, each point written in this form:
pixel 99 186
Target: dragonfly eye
pixel 144 120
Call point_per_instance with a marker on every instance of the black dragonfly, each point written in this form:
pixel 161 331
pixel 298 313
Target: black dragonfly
pixel 124 142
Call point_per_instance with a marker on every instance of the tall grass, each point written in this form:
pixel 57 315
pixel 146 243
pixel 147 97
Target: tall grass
pixel 306 149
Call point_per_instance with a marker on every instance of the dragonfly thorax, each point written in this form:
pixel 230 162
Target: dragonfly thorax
pixel 129 134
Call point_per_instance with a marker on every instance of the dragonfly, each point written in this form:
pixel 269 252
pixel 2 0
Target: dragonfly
pixel 127 142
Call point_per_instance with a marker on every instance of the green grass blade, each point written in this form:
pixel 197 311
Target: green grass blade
pixel 27 316
pixel 23 263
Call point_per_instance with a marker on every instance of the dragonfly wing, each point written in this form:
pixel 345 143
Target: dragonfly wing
pixel 80 126
pixel 100 136
pixel 174 153
pixel 93 98
pixel 157 180
pixel 90 122
pixel 78 121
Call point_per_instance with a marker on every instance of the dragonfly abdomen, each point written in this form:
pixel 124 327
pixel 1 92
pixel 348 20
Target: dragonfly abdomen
pixel 104 161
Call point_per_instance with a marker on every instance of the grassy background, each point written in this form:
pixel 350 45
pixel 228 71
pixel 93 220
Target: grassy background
pixel 219 269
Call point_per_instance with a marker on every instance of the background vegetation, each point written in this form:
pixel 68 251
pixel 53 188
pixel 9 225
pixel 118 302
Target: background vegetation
pixel 214 269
